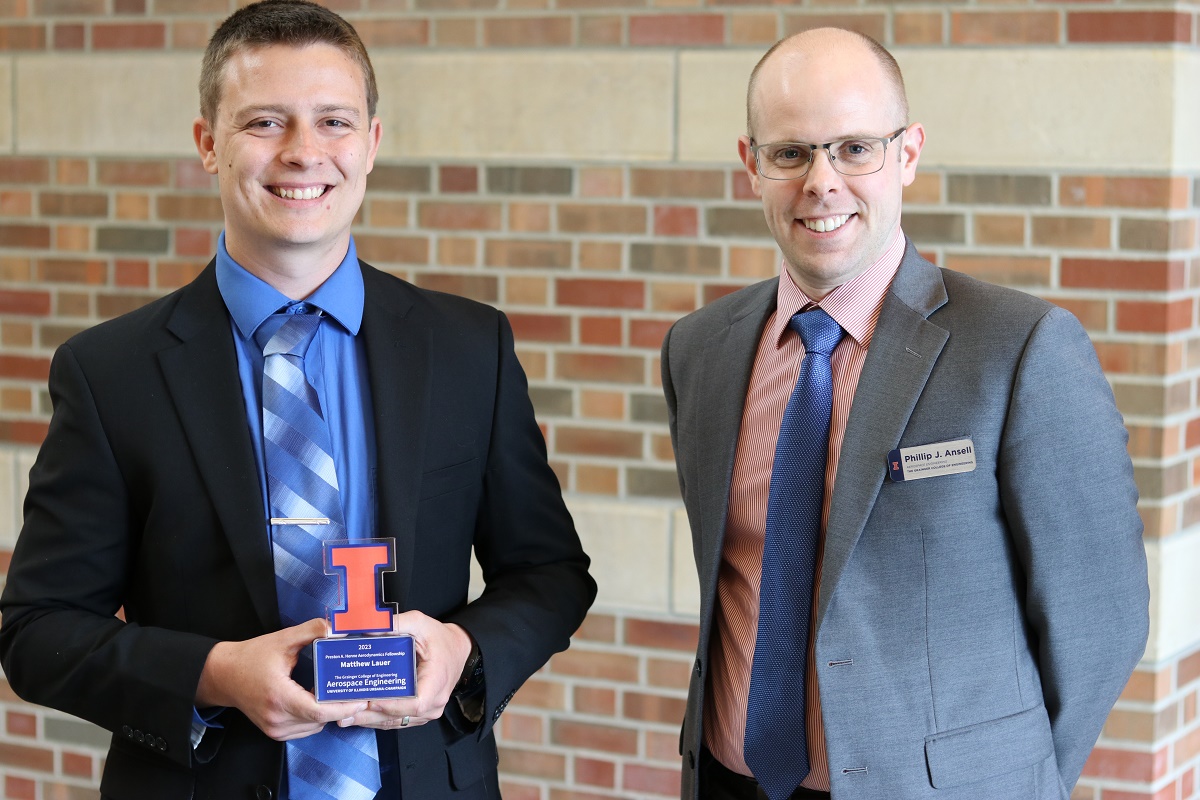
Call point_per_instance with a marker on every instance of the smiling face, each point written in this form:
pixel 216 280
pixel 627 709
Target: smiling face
pixel 826 86
pixel 291 146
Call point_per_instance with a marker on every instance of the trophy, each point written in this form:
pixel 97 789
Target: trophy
pixel 350 665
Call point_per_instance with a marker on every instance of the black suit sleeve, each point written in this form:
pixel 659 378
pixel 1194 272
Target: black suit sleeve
pixel 537 584
pixel 62 643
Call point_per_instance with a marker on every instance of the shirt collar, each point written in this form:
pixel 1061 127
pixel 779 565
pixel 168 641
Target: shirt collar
pixel 855 305
pixel 251 300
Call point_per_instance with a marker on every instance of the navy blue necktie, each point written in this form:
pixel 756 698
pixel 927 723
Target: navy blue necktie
pixel 776 744
pixel 306 509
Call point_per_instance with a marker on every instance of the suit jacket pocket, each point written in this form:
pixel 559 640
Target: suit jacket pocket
pixel 987 749
pixel 448 479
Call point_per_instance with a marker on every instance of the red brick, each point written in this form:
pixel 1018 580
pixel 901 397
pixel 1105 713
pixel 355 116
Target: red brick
pixel 595 664
pixel 1129 26
pixel 20 724
pixel 458 179
pixel 676 221
pixel 594 293
pixel 70 36
pixel 127 272
pixel 32 303
pixel 22 432
pixel 1123 274
pixel 648 333
pixel 534 253
pixel 1188 669
pixel 1187 747
pixel 594 772
pixel 652 780
pixel 129 36
pixel 1154 317
pixel 28 758
pixel 37 236
pixel 380 249
pixel 715 291
pixel 600 331
pixel 194 242
pixel 30 367
pixel 1126 765
pixel 190 174
pixel 598 442
pixel 1004 27
pixel 595 700
pixel 589 736
pixel 677 29
pixel 22 37
pixel 63 270
pixel 667 635
pixel 190 207
pixel 540 327
pixel 78 765
pixel 459 216
pixel 511 790
pixel 19 788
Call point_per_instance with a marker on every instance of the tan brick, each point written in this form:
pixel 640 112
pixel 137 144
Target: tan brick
pixel 527 32
pixel 72 171
pixel 647 707
pixel 669 674
pixel 1004 27
pixel 646 482
pixel 609 666
pixel 1157 234
pixel 1134 358
pixel 1009 270
pixel 597 479
pixel 1000 229
pixel 597 442
pixel 484 288
pixel 520 290
pixel 1096 191
pixel 918 27
pixel 663 781
pixel 672 296
pixel 534 763
pixel 457 251
pixel 384 213
pixel 1092 314
pixel 455 32
pixel 524 728
pixel 529 217
pixel 600 368
pixel 543 254
pixel 692 184
pixel 676 29
pixel 872 24
pixel 1087 232
pixel 926 189
pixel 594 218
pixel 598 627
pixel 753 29
pixel 132 206
pixel 599 29
pixel 393 32
pixel 595 700
pixel 399 178
pixel 590 736
pixel 379 249
pixel 16 204
pixel 1022 190
pixel 684 259
pixel 601 256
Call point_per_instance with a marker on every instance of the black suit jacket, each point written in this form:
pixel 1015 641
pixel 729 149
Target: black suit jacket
pixel 145 496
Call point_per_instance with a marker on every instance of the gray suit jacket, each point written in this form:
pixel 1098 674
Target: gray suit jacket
pixel 973 630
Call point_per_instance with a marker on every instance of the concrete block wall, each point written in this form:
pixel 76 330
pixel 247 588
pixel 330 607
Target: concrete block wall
pixel 573 162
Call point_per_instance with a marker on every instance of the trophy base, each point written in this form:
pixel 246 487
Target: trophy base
pixel 364 668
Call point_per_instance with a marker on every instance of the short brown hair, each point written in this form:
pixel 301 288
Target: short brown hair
pixel 890 68
pixel 296 23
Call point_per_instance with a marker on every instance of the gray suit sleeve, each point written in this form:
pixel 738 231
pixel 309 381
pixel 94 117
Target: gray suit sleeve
pixel 1068 493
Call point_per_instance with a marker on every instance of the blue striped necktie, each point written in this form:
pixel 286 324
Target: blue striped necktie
pixel 776 744
pixel 337 763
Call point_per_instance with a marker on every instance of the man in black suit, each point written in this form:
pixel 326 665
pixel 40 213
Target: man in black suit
pixel 150 493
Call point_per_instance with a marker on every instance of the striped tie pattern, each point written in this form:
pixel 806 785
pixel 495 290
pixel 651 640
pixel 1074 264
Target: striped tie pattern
pixel 337 763
pixel 776 743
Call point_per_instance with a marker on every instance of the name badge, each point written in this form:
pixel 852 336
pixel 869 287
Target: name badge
pixel 931 460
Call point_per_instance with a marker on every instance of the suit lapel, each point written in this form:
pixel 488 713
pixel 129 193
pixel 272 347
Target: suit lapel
pixel 901 356
pixel 202 377
pixel 726 377
pixel 399 352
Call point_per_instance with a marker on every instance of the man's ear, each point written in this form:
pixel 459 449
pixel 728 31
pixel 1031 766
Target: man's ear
pixel 205 144
pixel 910 152
pixel 748 160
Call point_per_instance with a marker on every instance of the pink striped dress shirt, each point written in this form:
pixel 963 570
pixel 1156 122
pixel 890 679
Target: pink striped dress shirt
pixel 855 305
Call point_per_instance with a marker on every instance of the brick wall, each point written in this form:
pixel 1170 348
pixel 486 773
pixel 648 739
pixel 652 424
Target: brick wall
pixel 1063 160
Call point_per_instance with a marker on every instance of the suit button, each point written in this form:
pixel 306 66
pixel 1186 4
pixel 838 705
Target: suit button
pixel 160 745
pixel 127 731
pixel 139 737
pixel 263 793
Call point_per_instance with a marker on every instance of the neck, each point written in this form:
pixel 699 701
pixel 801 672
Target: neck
pixel 295 272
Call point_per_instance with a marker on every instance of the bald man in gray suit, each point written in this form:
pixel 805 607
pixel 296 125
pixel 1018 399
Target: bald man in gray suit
pixel 979 592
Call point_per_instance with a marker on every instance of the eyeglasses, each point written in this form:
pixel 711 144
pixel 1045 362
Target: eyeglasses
pixel 783 161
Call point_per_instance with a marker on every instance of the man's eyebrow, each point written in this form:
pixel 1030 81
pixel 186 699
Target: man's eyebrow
pixel 268 108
